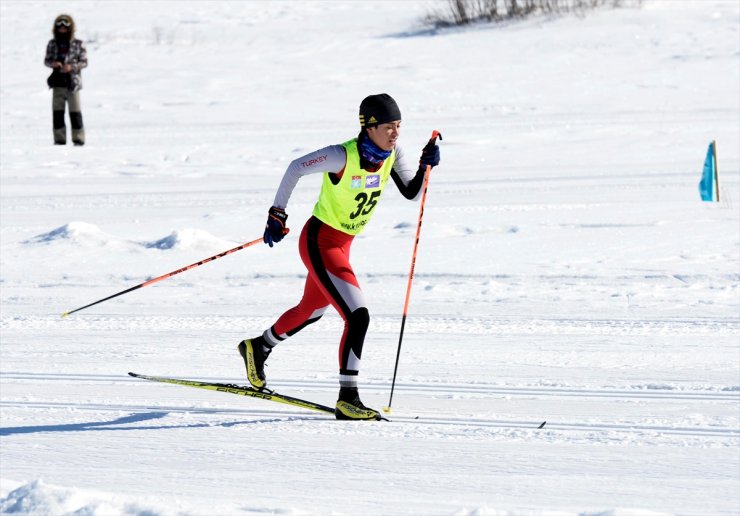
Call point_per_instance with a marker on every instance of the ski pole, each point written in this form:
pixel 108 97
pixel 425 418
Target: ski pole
pixel 428 173
pixel 168 275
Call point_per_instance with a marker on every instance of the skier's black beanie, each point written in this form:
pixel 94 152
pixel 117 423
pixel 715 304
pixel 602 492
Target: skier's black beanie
pixel 378 109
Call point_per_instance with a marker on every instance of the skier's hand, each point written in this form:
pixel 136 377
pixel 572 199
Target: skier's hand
pixel 275 228
pixel 430 155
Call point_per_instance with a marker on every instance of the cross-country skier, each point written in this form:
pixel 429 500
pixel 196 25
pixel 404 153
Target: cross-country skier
pixel 354 175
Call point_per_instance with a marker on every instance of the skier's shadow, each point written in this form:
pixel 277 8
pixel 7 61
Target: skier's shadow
pixel 124 420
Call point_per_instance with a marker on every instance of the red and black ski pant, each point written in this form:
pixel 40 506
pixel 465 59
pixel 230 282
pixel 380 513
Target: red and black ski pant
pixel 331 281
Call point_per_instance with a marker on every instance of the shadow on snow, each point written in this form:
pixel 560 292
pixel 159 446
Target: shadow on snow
pixel 124 420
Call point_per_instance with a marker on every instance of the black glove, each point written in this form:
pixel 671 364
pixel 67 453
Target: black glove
pixel 430 156
pixel 275 228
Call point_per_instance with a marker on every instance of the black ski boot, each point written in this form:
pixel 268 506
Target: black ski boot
pixel 349 406
pixel 255 353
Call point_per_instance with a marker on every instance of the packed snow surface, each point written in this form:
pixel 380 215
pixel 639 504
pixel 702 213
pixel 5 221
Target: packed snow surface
pixel 567 270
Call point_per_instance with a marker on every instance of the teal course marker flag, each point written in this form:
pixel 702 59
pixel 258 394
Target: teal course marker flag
pixel 709 184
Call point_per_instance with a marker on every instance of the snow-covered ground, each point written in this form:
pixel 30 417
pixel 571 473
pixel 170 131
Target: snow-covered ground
pixel 567 269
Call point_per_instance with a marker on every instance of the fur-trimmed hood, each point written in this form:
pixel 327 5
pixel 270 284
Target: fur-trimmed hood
pixel 68 19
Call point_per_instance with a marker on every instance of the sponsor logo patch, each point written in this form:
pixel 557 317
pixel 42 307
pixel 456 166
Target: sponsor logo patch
pixel 314 161
pixel 372 181
pixel 356 182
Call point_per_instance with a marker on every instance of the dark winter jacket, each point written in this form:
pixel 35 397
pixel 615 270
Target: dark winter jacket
pixel 76 56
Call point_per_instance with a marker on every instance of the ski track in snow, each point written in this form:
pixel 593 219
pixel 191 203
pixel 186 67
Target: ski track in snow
pixel 140 413
pixel 389 323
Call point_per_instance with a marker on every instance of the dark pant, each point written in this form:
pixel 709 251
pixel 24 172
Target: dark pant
pixel 59 99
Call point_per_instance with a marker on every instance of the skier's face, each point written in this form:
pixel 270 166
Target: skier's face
pixel 385 135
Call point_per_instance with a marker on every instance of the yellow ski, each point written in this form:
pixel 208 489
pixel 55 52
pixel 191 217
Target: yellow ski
pixel 240 390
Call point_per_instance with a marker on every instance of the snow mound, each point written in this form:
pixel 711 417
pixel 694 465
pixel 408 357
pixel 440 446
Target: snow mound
pixel 39 498
pixel 80 233
pixel 404 226
pixel 444 230
pixel 89 235
pixel 188 239
pixel 453 230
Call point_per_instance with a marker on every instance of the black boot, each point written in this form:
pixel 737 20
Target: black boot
pixel 78 130
pixel 349 406
pixel 255 352
pixel 60 130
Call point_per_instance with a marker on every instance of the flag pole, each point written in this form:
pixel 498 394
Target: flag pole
pixel 716 168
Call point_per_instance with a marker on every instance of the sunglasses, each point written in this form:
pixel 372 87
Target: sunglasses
pixel 63 23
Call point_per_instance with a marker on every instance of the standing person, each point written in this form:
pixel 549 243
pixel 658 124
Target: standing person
pixel 67 57
pixel 354 175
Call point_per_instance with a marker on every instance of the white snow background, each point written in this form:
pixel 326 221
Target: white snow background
pixel 567 269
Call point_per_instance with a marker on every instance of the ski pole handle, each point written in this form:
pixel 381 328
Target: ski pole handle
pixel 432 141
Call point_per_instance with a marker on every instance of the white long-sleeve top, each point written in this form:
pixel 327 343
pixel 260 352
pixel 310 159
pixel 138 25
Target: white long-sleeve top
pixel 332 159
